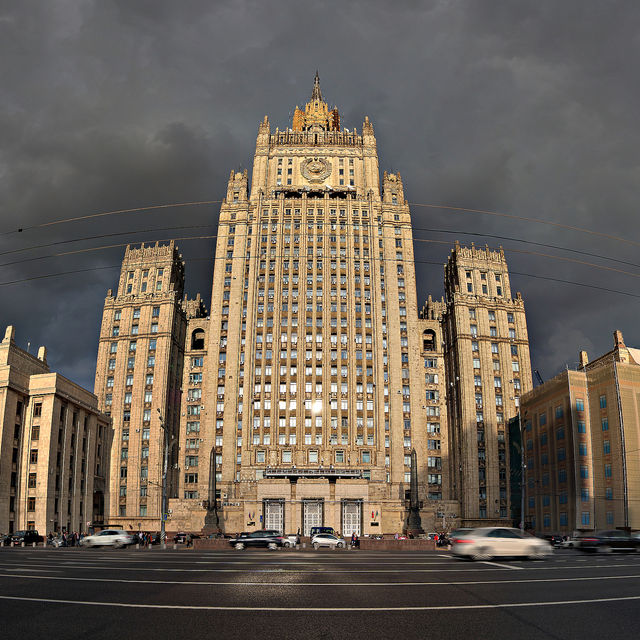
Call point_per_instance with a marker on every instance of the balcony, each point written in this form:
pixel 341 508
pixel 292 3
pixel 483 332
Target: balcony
pixel 293 473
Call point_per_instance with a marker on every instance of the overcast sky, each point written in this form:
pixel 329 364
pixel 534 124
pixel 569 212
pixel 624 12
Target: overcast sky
pixel 525 108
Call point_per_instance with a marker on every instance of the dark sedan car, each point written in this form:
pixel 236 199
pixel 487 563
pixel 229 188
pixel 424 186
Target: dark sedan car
pixel 553 539
pixel 27 536
pixel 608 541
pixel 263 538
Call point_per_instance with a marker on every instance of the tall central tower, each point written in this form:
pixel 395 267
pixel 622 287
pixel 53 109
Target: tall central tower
pixel 313 384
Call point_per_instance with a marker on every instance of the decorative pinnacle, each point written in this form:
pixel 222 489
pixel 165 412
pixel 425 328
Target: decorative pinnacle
pixel 316 94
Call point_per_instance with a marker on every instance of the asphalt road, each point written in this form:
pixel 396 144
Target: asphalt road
pixel 118 594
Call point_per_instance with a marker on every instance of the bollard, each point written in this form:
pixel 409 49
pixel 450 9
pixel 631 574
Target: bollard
pixel 175 546
pixel 12 543
pixel 34 545
pixel 137 545
pixel 22 544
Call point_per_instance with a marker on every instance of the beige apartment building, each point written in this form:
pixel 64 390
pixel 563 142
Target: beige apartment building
pixel 299 400
pixel 54 447
pixel 581 440
pixel 488 369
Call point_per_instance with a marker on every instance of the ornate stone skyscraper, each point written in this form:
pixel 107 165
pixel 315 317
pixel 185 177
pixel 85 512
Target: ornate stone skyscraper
pixel 488 369
pixel 138 378
pixel 299 400
pixel 313 381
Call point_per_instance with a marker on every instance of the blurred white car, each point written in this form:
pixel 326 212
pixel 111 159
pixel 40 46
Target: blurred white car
pixel 108 538
pixel 492 542
pixel 327 540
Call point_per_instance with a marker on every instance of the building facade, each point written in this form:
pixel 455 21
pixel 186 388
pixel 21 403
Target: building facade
pixel 302 396
pixel 488 368
pixel 54 447
pixel 139 377
pixel 581 442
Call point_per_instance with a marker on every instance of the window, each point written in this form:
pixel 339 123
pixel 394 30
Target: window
pixel 31 504
pixel 582 427
pixel 582 448
pixel 33 456
pixel 607 470
pixel 585 518
pixel 584 472
pixel 366 457
pixel 286 456
pixel 584 495
pixel 579 404
pixel 603 402
pixel 605 424
pixel 606 446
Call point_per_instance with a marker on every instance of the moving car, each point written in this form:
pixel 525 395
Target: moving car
pixel 261 538
pixel 608 541
pixel 108 538
pixel 327 540
pixel 492 542
pixel 27 536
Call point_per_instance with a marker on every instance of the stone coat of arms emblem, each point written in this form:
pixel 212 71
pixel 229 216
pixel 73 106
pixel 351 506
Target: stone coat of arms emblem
pixel 316 169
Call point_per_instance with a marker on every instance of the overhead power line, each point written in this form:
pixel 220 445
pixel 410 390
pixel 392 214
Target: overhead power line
pixel 432 262
pixel 303 237
pixel 411 204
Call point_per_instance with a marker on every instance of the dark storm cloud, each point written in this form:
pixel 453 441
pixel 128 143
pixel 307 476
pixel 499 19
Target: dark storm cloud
pixel 525 108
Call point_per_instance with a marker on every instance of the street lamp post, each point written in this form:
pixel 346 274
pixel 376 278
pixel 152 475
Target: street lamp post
pixel 165 463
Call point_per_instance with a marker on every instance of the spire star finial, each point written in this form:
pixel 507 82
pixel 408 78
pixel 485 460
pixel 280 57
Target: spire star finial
pixel 316 94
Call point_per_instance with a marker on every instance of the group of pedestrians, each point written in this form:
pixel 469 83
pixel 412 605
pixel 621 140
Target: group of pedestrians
pixel 146 539
pixel 65 538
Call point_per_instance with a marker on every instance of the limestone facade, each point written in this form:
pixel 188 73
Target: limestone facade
pixel 139 379
pixel 488 369
pixel 54 447
pixel 316 374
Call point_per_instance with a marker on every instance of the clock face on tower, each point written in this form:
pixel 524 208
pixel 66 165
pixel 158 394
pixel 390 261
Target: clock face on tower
pixel 316 169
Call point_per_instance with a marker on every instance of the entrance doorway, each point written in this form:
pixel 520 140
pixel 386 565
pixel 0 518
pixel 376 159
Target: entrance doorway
pixel 311 515
pixel 274 515
pixel 351 518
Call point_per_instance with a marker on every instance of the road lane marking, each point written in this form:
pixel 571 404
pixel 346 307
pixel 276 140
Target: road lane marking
pixel 193 607
pixel 471 569
pixel 497 564
pixel 318 584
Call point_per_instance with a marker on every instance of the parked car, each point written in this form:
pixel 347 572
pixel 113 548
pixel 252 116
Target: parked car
pixel 108 538
pixel 327 540
pixel 27 536
pixel 492 542
pixel 291 541
pixel 608 541
pixel 554 539
pixel 316 530
pixel 181 538
pixel 262 538
pixel 571 543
